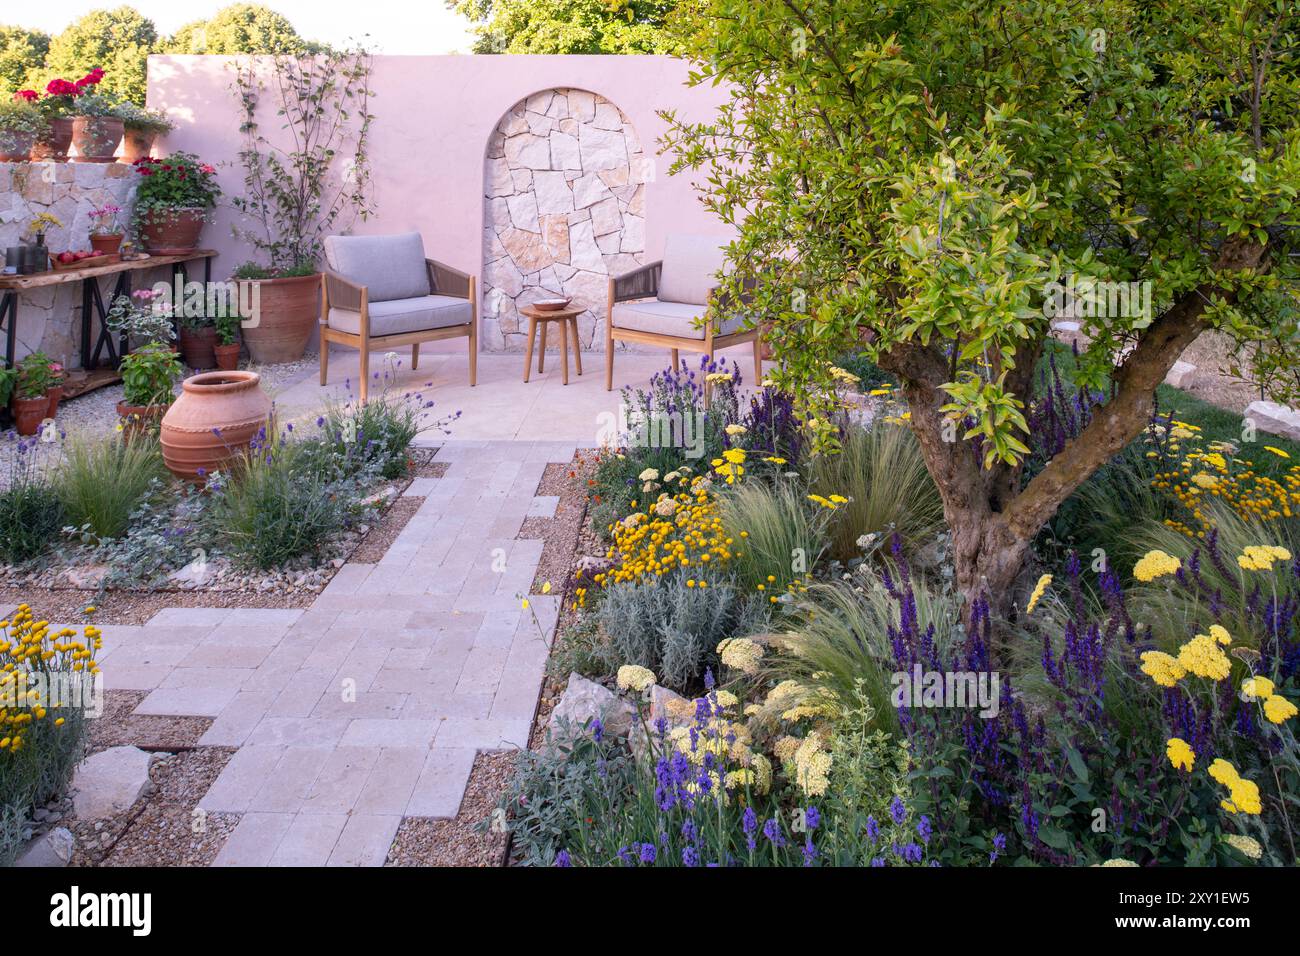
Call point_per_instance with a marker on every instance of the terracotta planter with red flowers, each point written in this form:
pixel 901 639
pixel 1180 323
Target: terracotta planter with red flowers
pixel 172 200
pixel 96 138
pixel 171 232
pixel 137 144
pixel 16 145
pixel 106 245
pixel 53 146
pixel 29 413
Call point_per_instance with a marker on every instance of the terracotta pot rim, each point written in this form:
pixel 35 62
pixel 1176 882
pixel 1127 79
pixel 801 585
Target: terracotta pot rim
pixel 220 382
pixel 124 409
pixel 286 280
pixel 43 397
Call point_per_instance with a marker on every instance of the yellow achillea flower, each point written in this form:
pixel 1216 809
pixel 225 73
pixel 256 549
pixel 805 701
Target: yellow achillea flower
pixel 1039 590
pixel 736 779
pixel 812 766
pixel 1248 846
pixel 1260 688
pixel 1244 796
pixel 1278 709
pixel 1155 564
pixel 785 747
pixel 1180 754
pixel 1260 557
pixel 775 459
pixel 726 698
pixel 1119 862
pixel 1203 657
pixel 1162 668
pixel 633 677
pixel 741 653
pixel 735 430
pixel 762 768
pixel 1220 634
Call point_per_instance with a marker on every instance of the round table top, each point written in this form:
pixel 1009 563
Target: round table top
pixel 568 312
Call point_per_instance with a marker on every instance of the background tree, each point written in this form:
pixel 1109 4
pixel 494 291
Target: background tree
pixel 22 54
pixel 118 40
pixel 239 28
pixel 568 26
pixel 914 176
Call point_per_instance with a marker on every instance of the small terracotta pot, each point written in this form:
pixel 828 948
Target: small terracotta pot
pixel 53 147
pixel 227 356
pixel 197 347
pixel 96 138
pixel 171 233
pixel 52 397
pixel 137 144
pixel 213 421
pixel 288 310
pixel 106 245
pixel 139 420
pixel 29 413
pixel 15 146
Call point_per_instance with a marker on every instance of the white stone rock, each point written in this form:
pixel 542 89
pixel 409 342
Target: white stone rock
pixel 540 102
pixel 601 149
pixel 633 234
pixel 538 124
pixel 1181 375
pixel 564 152
pixel 553 193
pixel 605 218
pixel 109 782
pixel 503 274
pixel 498 214
pixel 607 117
pixel 589 190
pixel 523 212
pixel 198 573
pixel 53 849
pixel 583 701
pixel 529 151
pixel 582 105
pixel 523 179
pixel 1274 418
pixel 608 244
pixel 583 251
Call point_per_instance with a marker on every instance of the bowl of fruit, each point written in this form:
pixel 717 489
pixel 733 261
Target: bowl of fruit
pixel 80 259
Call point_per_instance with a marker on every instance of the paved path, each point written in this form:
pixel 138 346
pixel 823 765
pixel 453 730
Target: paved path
pixel 370 705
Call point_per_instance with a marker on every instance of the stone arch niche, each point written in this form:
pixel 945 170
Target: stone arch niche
pixel 564 194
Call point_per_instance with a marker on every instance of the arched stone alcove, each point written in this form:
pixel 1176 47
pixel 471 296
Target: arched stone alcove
pixel 564 193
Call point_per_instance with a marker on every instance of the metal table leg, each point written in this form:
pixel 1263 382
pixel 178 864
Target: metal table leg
pixel 9 309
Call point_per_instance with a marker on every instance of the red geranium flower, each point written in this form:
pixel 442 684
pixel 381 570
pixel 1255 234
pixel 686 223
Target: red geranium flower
pixel 28 95
pixel 61 88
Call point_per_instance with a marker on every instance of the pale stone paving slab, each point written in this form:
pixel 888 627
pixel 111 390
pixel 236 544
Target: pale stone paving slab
pixel 371 704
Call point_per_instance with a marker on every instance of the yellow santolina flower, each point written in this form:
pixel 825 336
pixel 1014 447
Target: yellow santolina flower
pixel 1277 451
pixel 1118 862
pixel 734 430
pixel 1180 754
pixel 1248 846
pixel 1161 668
pixel 1155 564
pixel 878 391
pixel 1039 590
pixel 741 653
pixel 634 677
pixel 30 650
pixel 1260 688
pixel 650 474
pixel 1203 657
pixel 1278 709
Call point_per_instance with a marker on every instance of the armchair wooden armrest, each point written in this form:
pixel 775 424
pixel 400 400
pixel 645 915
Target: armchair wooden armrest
pixel 341 293
pixel 642 283
pixel 444 280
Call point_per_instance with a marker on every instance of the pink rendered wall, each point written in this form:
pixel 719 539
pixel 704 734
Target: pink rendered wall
pixel 433 118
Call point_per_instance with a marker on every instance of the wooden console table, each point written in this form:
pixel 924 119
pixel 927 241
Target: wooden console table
pixel 92 302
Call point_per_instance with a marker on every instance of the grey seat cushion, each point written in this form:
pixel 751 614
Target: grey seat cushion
pixel 669 318
pixel 406 315
pixel 390 267
pixel 690 267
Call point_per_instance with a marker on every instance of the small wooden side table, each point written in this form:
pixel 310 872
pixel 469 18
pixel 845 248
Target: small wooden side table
pixel 568 319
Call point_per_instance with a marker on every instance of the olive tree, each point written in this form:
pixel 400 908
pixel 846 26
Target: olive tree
pixel 920 179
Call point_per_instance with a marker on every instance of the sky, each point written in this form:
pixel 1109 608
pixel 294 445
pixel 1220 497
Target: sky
pixel 394 26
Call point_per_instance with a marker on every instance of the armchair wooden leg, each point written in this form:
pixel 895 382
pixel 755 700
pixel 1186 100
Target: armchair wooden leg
pixel 415 356
pixel 324 361
pixel 473 353
pixel 365 369
pixel 675 359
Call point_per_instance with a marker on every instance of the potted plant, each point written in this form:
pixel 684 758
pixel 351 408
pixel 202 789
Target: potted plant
pixel 198 339
pixel 54 394
pixel 141 127
pixel 97 125
pixel 8 379
pixel 105 234
pixel 144 317
pixel 149 375
pixel 172 202
pixel 59 107
pixel 298 196
pixel 31 402
pixel 226 351
pixel 21 124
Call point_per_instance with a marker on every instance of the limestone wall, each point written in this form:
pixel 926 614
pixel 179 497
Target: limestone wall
pixel 50 319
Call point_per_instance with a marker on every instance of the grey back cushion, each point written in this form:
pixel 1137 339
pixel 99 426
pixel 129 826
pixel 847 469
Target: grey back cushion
pixel 390 267
pixel 691 265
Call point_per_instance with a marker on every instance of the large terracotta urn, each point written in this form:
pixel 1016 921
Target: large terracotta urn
pixel 285 313
pixel 216 416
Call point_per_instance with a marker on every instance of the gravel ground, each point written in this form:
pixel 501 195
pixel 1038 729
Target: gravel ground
pixel 560 533
pixel 66 605
pixel 386 530
pixel 422 841
pixel 118 727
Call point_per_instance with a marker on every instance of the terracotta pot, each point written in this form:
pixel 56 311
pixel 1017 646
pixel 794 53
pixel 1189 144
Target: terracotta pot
pixel 171 232
pixel 96 138
pixel 15 146
pixel 53 147
pixel 137 144
pixel 139 419
pixel 213 421
pixel 29 413
pixel 52 398
pixel 287 312
pixel 106 245
pixel 197 347
pixel 227 356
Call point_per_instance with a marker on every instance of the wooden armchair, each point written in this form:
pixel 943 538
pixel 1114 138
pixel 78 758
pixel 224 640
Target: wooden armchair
pixel 380 292
pixel 662 304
